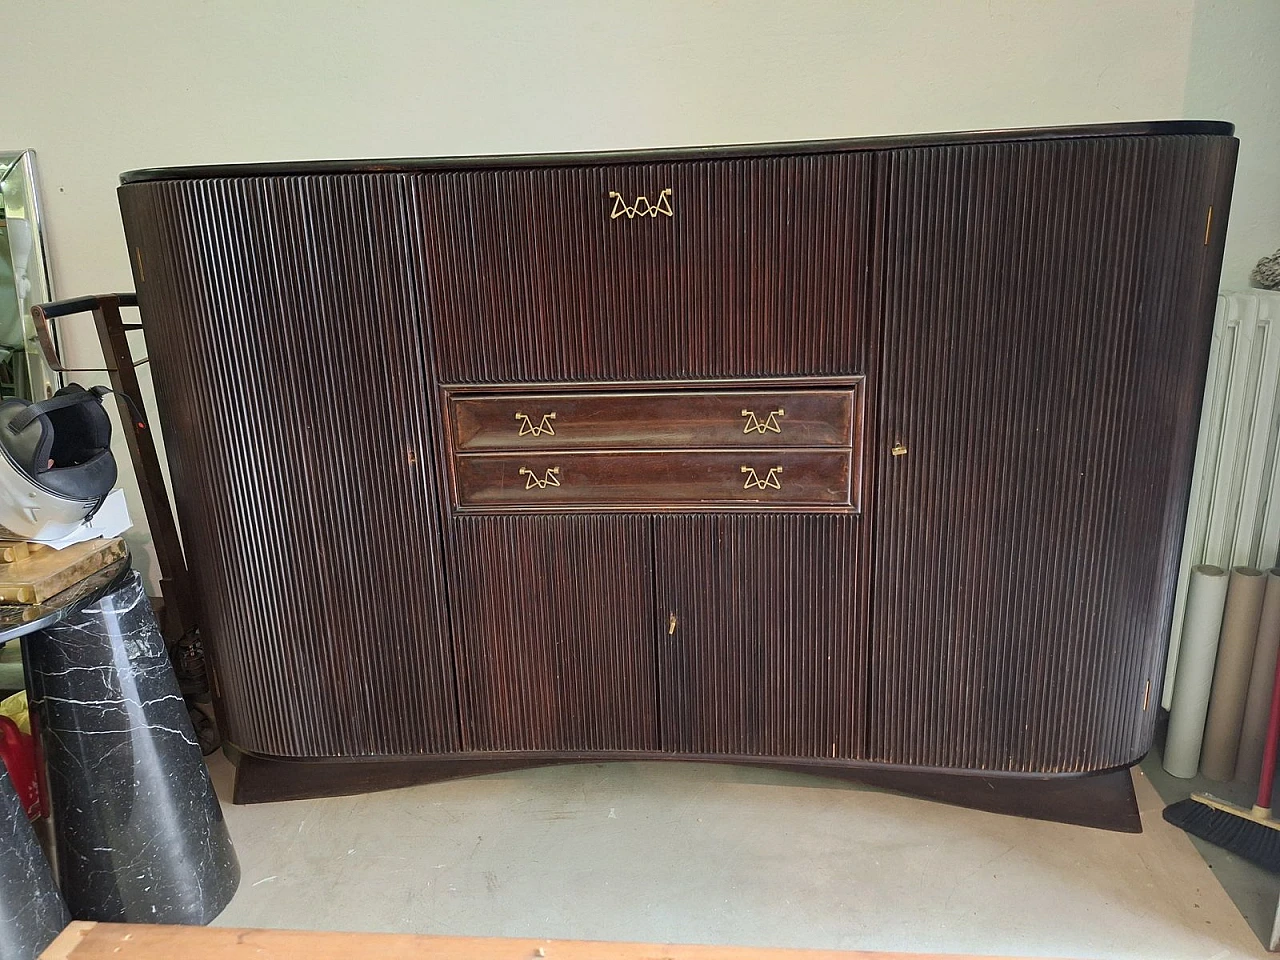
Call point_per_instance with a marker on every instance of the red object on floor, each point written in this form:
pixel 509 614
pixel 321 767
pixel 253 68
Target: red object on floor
pixel 18 752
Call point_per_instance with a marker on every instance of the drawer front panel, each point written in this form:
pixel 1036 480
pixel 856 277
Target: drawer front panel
pixel 814 418
pixel 751 479
pixel 649 271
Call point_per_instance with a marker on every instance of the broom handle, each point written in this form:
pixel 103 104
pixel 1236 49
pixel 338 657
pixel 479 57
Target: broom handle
pixel 1267 781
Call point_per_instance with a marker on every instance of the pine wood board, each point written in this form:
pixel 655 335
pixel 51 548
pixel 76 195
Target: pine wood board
pixel 46 572
pixel 111 941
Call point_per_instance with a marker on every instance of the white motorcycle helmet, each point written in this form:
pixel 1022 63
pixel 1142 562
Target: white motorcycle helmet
pixel 56 466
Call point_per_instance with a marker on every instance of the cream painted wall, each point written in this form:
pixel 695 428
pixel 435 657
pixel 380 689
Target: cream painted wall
pixel 1234 73
pixel 155 82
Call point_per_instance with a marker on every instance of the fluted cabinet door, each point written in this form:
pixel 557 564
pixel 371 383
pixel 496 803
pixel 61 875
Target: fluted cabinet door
pixel 751 267
pixel 553 625
pixel 1047 315
pixel 762 635
pixel 289 374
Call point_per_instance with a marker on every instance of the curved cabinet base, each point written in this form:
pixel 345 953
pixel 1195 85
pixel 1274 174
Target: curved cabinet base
pixel 1104 800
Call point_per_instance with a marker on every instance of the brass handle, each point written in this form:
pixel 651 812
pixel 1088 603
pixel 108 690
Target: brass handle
pixel 769 424
pixel 642 207
pixel 530 429
pixel 549 478
pixel 770 481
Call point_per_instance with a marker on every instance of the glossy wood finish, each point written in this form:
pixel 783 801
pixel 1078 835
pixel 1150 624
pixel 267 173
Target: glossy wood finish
pixel 655 480
pixel 1141 128
pixel 622 420
pixel 1025 319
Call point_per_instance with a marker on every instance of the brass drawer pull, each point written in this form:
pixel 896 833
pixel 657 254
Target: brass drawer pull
pixel 642 207
pixel 551 478
pixel 769 481
pixel 769 423
pixel 529 429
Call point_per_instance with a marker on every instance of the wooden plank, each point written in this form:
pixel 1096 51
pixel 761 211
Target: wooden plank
pixel 11 550
pixel 113 941
pixel 48 572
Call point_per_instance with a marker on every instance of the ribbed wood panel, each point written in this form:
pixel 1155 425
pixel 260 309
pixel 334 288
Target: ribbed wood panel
pixel 1045 339
pixel 768 656
pixel 762 270
pixel 1032 317
pixel 289 374
pixel 554 631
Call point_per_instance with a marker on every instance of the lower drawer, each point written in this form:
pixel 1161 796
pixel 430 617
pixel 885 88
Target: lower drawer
pixel 657 480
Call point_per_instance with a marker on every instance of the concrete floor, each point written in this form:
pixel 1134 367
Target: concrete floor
pixel 1253 890
pixel 709 854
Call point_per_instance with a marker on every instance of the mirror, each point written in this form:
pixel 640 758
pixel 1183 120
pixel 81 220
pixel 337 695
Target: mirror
pixel 24 280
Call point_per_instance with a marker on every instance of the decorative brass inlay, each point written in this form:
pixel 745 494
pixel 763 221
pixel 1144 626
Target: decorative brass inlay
pixel 899 449
pixel 769 423
pixel 768 482
pixel 642 207
pixel 528 428
pixel 549 479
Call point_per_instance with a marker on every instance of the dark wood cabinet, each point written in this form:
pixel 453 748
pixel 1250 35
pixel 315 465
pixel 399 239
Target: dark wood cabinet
pixel 868 458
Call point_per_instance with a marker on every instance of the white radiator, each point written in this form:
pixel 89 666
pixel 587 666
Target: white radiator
pixel 1234 513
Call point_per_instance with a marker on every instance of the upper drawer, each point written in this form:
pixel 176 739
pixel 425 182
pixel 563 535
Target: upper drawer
pixel 637 421
pixel 693 270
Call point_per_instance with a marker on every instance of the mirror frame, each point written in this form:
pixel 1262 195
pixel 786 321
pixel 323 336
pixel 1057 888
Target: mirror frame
pixel 41 379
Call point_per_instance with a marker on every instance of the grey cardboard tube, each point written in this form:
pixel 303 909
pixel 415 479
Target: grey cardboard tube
pixel 1257 706
pixel 1245 593
pixel 1201 625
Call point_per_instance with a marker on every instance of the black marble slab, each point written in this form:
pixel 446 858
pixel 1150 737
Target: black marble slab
pixel 31 909
pixel 139 835
pixel 19 619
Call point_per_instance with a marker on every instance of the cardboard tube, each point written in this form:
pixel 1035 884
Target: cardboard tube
pixel 1201 625
pixel 1240 618
pixel 1262 678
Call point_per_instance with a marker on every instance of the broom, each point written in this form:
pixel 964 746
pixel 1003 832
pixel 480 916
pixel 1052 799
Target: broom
pixel 1251 834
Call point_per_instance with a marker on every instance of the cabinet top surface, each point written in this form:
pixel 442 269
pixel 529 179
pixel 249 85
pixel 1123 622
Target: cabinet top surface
pixel 407 165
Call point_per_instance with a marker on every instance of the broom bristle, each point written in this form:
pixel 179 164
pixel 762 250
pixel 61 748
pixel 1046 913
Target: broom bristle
pixel 1255 842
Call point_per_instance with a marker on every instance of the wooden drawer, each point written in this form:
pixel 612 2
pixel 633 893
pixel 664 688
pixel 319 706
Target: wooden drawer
pixel 663 480
pixel 640 420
